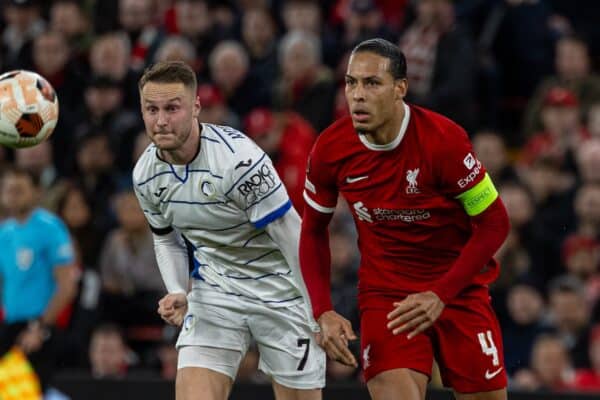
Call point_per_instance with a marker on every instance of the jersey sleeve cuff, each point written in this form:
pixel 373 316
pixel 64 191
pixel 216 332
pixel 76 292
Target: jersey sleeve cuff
pixel 278 213
pixel 317 206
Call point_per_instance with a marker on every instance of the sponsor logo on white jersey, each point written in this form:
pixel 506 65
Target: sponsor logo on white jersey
pixel 258 184
pixel 411 177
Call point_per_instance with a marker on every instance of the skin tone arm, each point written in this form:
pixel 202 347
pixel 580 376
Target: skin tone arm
pixel 66 289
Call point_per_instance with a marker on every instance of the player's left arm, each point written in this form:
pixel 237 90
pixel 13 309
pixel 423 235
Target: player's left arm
pixel 464 178
pixel 285 231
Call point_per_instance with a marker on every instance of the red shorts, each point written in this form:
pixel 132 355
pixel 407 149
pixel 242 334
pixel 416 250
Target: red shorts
pixel 465 341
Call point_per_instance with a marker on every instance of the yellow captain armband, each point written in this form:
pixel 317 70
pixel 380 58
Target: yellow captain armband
pixel 479 197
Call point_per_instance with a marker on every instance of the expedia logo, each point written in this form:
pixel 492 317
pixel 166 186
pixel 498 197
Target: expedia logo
pixel 258 184
pixel 471 177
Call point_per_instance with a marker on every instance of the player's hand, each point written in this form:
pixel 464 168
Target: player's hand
pixel 415 313
pixel 335 333
pixel 173 307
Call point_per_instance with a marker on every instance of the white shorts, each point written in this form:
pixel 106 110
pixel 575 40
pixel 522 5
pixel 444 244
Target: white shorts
pixel 216 335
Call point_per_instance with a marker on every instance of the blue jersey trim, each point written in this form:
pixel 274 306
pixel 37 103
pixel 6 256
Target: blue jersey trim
pixel 255 278
pixel 221 136
pixel 202 203
pixel 280 212
pixel 210 139
pixel 253 237
pixel 152 177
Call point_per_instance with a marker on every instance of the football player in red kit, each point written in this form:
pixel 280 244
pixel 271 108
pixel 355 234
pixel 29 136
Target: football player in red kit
pixel 429 221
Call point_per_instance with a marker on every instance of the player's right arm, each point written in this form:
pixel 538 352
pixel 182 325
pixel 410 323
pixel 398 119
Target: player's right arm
pixel 321 196
pixel 171 257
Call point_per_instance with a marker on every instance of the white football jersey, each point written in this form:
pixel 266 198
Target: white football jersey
pixel 221 202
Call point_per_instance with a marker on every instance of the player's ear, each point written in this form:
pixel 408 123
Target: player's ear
pixel 401 88
pixel 197 107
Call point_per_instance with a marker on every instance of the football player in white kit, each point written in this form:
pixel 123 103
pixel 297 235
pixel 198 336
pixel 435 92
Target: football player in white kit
pixel 215 189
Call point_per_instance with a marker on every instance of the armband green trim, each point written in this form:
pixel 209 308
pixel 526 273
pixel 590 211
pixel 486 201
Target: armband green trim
pixel 479 197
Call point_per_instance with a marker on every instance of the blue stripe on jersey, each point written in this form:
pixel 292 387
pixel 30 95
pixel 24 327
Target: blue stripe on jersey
pixel 226 229
pixel 257 278
pixel 152 177
pixel 206 170
pixel 202 203
pixel 253 298
pixel 221 136
pixel 210 139
pixel 187 173
pixel 264 197
pixel 261 256
pixel 253 237
pixel 261 223
pixel 245 173
pixel 184 179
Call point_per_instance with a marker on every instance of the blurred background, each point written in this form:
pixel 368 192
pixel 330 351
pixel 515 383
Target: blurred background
pixel 520 75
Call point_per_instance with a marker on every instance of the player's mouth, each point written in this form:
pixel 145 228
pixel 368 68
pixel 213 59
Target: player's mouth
pixel 360 115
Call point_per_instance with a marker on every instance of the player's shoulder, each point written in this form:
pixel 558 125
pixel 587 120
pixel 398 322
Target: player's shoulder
pixel 143 166
pixel 435 125
pixel 229 146
pixel 335 137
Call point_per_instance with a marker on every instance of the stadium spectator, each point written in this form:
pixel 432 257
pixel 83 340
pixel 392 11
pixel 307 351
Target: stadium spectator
pixel 24 23
pixel 110 57
pixel 70 19
pixel 214 109
pixel 491 150
pixel 138 20
pixel 441 62
pixel 305 85
pixel 131 281
pixel 230 71
pixel 177 48
pixel 551 369
pixel 259 38
pixel 109 355
pixel 573 71
pixel 570 316
pixel 525 322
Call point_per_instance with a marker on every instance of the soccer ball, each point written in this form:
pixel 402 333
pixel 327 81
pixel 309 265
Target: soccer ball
pixel 28 109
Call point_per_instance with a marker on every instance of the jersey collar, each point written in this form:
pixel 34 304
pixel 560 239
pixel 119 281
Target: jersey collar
pixel 394 143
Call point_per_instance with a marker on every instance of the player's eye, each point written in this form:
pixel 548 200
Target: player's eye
pixel 152 109
pixel 350 82
pixel 172 108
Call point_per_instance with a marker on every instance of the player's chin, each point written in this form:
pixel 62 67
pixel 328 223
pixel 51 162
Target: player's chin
pixel 361 126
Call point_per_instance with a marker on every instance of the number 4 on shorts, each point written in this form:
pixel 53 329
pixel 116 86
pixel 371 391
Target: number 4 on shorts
pixel 488 347
pixel 303 342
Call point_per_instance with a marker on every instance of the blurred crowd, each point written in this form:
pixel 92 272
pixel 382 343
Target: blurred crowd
pixel 519 75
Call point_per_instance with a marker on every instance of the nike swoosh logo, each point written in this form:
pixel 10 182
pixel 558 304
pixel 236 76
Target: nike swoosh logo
pixel 160 191
pixel 356 179
pixel 489 375
pixel 244 164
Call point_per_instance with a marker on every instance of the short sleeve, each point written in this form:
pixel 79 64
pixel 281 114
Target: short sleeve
pixel 320 189
pixel 461 174
pixel 153 215
pixel 255 187
pixel 61 246
pixel 457 166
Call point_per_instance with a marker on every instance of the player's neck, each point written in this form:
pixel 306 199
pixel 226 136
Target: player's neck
pixel 387 132
pixel 187 152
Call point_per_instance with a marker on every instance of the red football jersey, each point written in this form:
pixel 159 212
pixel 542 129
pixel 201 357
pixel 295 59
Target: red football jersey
pixel 411 228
